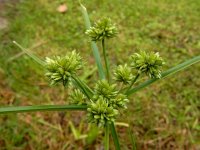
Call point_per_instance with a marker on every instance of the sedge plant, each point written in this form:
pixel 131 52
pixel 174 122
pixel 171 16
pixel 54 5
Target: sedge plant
pixel 103 101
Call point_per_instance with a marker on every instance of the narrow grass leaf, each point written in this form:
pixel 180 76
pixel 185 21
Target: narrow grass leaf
pixel 30 54
pixel 93 44
pixel 166 74
pixel 21 109
pixel 46 123
pixel 132 139
pixel 76 133
pixel 107 132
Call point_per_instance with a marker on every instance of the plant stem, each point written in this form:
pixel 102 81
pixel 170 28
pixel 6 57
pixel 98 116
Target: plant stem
pixel 132 82
pixel 107 136
pixel 115 137
pixel 105 60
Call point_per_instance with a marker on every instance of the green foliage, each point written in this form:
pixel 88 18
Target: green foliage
pixel 60 69
pixel 103 29
pixel 148 63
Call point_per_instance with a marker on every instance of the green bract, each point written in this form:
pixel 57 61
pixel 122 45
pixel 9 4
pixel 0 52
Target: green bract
pixel 123 74
pixel 77 97
pixel 148 63
pixel 60 69
pixel 100 113
pixel 104 28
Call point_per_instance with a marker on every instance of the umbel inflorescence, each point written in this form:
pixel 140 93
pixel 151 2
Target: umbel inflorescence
pixel 105 99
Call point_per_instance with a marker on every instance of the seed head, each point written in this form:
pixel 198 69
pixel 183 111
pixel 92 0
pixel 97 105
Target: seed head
pixel 99 112
pixel 60 69
pixel 148 63
pixel 105 90
pixel 123 74
pixel 104 28
pixel 119 101
pixel 77 97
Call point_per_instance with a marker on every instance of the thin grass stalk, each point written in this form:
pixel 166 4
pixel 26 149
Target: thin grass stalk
pixel 132 82
pixel 114 136
pixel 106 60
pixel 107 131
pixel 134 147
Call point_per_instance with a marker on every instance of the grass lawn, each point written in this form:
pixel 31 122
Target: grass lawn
pixel 165 115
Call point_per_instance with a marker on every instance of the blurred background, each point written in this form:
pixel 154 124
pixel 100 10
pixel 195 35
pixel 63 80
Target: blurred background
pixel 166 115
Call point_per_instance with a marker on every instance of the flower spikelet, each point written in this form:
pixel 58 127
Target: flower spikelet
pixel 119 101
pixel 148 63
pixel 77 97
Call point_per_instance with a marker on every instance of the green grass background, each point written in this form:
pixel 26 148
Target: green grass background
pixel 165 115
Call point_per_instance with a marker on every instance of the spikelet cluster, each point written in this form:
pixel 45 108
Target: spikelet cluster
pixel 123 74
pixel 77 97
pixel 100 113
pixel 148 63
pixel 60 69
pixel 103 29
pixel 106 103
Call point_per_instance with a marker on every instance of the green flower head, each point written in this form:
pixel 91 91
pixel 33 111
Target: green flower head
pixel 60 69
pixel 119 101
pixel 148 63
pixel 123 74
pixel 77 97
pixel 104 28
pixel 99 112
pixel 104 89
pixel 109 94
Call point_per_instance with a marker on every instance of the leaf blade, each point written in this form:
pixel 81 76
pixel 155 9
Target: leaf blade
pixel 30 54
pixel 132 139
pixel 21 109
